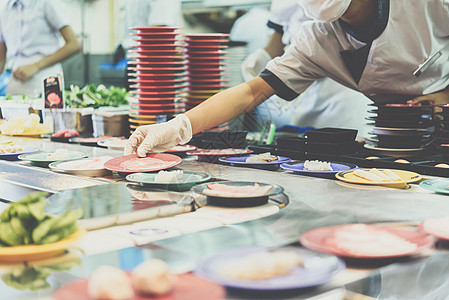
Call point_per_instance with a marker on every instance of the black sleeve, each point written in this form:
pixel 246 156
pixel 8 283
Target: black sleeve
pixel 276 27
pixel 282 90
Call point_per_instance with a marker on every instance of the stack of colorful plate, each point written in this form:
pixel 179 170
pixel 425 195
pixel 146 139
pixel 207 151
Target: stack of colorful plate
pixel 157 75
pixel 401 129
pixel 206 65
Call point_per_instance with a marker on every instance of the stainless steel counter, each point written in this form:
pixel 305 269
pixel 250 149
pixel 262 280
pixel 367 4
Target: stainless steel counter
pixel 314 202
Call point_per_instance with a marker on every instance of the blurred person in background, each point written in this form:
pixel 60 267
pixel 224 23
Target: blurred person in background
pixel 144 13
pixel 325 103
pixel 29 35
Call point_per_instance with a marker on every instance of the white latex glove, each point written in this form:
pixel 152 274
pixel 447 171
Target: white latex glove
pixel 159 137
pixel 254 64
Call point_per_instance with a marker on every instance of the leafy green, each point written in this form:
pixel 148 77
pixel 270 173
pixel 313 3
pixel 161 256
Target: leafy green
pixel 93 96
pixel 26 222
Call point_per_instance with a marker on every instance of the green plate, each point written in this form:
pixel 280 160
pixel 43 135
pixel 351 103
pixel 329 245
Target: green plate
pixel 436 185
pixel 189 179
pixel 40 158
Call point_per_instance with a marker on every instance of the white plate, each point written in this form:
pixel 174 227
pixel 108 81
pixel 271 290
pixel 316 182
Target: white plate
pixel 72 167
pixel 113 144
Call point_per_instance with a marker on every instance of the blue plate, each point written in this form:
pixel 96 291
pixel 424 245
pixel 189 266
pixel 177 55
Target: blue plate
pixel 240 161
pixel 318 269
pixel 298 168
pixel 14 156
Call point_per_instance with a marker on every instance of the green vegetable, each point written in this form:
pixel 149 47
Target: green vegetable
pixel 92 96
pixel 25 222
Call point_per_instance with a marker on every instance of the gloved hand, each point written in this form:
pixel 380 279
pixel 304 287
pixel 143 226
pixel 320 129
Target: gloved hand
pixel 159 137
pixel 254 64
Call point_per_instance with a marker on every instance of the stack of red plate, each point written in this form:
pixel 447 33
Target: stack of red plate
pixel 158 77
pixel 207 66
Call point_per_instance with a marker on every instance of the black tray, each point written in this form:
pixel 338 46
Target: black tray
pixel 331 135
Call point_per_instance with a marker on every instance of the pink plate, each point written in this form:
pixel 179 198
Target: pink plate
pixel 156 40
pixel 160 81
pixel 158 105
pixel 206 41
pixel 209 80
pixel 206 58
pixel 151 88
pixel 151 100
pixel 115 164
pixel 219 152
pixel 171 94
pixel 194 86
pixel 195 47
pixel 197 76
pixel 315 239
pixel 206 53
pixel 157 64
pixel 207 35
pixel 166 76
pixel 187 287
pixel 162 50
pixel 204 64
pixel 156 34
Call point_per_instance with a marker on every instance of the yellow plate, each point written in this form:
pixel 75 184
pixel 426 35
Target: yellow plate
pixel 28 134
pixel 143 117
pixel 406 176
pixel 142 121
pixel 37 252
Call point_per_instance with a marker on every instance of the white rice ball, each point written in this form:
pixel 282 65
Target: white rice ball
pixel 152 277
pixel 110 283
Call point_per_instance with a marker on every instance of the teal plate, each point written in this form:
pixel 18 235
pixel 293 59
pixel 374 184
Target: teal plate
pixel 436 185
pixel 40 158
pixel 189 179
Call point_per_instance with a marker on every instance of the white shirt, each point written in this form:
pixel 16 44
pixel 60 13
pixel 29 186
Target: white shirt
pixel 31 27
pixel 411 36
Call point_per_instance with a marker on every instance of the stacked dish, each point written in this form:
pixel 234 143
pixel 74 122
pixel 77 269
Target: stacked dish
pixel 442 134
pixel 206 65
pixel 157 75
pixel 401 129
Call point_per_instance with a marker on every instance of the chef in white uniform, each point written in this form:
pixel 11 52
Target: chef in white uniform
pixel 325 103
pixel 29 33
pixel 371 46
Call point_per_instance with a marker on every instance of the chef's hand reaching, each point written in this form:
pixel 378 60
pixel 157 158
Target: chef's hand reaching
pixel 159 137
pixel 441 97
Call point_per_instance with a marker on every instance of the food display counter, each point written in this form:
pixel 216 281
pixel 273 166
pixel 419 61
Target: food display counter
pixel 307 203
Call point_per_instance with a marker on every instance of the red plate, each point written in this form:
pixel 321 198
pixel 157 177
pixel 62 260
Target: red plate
pixel 157 57
pixel 197 76
pixel 207 35
pixel 206 41
pixel 162 98
pixel 156 40
pixel 158 105
pixel 187 287
pixel 171 69
pixel 206 58
pixel 160 82
pixel 156 28
pixel 169 100
pixel 196 47
pixel 206 64
pixel 195 81
pixel 115 163
pixel 156 111
pixel 219 152
pixel 156 34
pixel 151 88
pixel 315 239
pixel 193 86
pixel 157 64
pixel 206 53
pixel 167 76
pixel 157 49
pixel 171 94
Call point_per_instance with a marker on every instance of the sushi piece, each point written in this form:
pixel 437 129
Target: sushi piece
pixel 224 190
pixel 316 165
pixel 367 175
pixel 169 176
pixel 262 158
pixel 110 283
pixel 393 175
pixel 262 266
pixel 59 154
pixel 153 277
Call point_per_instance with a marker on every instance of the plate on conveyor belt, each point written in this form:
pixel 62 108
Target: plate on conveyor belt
pixel 82 167
pixel 43 159
pixel 134 164
pixel 259 268
pixel 237 193
pixel 438 227
pixel 297 167
pixel 378 176
pixel 189 179
pixel 440 185
pixel 241 161
pixel 366 241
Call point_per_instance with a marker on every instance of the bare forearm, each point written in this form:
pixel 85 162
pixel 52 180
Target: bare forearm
pixel 274 46
pixel 71 47
pixel 2 57
pixel 229 104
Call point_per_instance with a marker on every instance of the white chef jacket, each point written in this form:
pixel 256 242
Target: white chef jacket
pixel 325 103
pixel 415 30
pixel 30 30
